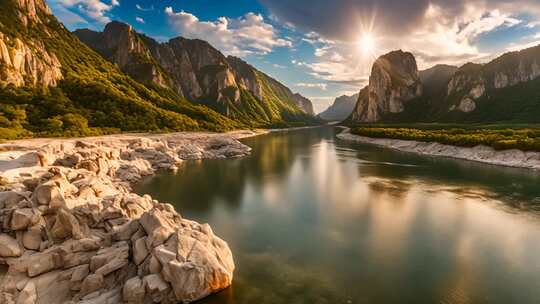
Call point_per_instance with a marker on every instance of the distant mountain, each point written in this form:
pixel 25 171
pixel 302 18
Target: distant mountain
pixel 199 72
pixel 340 109
pixel 503 90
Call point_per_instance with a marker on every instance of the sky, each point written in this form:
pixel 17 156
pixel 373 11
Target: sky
pixel 324 49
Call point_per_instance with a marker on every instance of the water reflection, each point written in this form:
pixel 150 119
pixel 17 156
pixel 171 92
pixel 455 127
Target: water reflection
pixel 312 219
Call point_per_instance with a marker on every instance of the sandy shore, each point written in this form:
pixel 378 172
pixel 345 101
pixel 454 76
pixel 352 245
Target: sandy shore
pixel 483 154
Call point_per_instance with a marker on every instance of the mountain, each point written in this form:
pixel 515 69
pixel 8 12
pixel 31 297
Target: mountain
pixel 52 85
pixel 394 80
pixel 200 73
pixel 435 79
pixel 303 103
pixel 503 90
pixel 340 109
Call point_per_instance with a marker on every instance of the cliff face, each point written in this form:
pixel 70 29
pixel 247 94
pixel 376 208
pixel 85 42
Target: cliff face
pixel 340 109
pixel 394 80
pixel 26 61
pixel 503 89
pixel 197 71
pixel 120 44
pixel 304 104
pixel 473 81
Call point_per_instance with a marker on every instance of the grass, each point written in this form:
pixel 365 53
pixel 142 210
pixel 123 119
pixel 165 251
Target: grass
pixel 497 136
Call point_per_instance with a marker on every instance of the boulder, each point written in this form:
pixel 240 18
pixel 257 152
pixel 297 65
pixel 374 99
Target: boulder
pixel 32 238
pixel 9 247
pixel 133 291
pixel 158 226
pixel 44 262
pixel 140 252
pixel 92 283
pixel 48 194
pixel 23 218
pixel 28 295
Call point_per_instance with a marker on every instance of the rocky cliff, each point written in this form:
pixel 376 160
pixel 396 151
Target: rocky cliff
pixel 340 109
pixel 473 81
pixel 26 61
pixel 120 44
pixel 501 90
pixel 304 103
pixel 199 72
pixel 394 80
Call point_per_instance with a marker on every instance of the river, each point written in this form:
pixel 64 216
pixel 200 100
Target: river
pixel 312 219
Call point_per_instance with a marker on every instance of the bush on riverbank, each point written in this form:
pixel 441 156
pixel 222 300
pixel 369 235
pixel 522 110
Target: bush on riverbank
pixel 499 139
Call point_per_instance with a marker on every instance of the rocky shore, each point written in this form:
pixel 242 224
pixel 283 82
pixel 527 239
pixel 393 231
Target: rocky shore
pixel 483 154
pixel 71 230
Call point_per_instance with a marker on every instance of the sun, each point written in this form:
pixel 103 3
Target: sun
pixel 367 43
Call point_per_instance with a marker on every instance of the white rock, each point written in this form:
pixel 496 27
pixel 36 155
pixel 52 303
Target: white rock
pixel 9 247
pixel 133 291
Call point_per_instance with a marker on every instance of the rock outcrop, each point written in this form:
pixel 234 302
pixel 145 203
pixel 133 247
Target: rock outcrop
pixel 304 104
pixel 340 109
pixel 473 81
pixel 71 231
pixel 27 62
pixel 120 44
pixel 394 80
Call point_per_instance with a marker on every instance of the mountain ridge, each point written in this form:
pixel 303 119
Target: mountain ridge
pixel 500 90
pixel 340 109
pixel 200 73
pixel 55 85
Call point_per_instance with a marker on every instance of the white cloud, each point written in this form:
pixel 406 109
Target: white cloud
pixel 438 39
pixel 95 10
pixel 322 86
pixel 249 34
pixel 139 19
pixel 144 9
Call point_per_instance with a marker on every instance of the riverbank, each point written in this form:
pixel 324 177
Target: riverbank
pixel 71 229
pixel 509 158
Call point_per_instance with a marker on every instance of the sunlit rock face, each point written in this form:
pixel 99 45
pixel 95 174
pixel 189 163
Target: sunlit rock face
pixel 27 62
pixel 394 80
pixel 120 44
pixel 303 103
pixel 191 67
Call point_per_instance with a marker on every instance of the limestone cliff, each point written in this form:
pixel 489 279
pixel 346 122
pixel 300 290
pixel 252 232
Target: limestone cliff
pixel 474 81
pixel 23 60
pixel 304 103
pixel 199 72
pixel 501 90
pixel 120 44
pixel 394 80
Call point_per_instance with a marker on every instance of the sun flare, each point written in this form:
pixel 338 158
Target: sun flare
pixel 367 43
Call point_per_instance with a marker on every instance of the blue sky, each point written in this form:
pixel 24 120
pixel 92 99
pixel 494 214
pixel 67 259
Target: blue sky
pixel 321 48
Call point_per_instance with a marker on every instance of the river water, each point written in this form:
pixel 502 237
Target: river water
pixel 312 219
